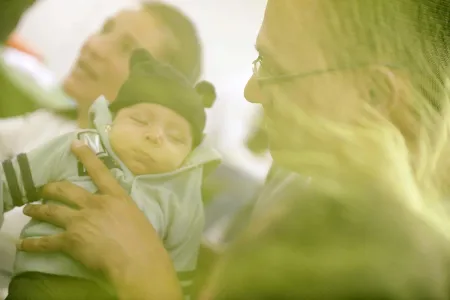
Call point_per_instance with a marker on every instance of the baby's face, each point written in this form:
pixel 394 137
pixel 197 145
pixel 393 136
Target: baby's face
pixel 150 138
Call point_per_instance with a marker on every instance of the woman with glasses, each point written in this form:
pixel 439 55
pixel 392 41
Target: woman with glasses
pixel 356 100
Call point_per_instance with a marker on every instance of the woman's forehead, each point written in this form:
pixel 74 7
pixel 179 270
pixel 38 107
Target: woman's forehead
pixel 139 22
pixel 290 12
pixel 143 27
pixel 287 33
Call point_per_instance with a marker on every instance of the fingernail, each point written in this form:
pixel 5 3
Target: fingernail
pixel 77 143
pixel 19 245
pixel 26 209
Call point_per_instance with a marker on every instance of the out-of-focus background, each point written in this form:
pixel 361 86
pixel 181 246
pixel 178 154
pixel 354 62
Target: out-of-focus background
pixel 56 29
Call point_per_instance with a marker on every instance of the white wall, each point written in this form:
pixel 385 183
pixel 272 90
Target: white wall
pixel 228 29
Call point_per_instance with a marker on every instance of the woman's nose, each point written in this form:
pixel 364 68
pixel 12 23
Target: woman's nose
pixel 252 91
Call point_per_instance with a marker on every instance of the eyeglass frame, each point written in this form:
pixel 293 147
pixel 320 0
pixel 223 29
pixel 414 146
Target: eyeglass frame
pixel 289 77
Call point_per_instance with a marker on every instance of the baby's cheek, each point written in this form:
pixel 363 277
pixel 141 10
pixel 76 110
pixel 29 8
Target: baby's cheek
pixel 178 160
pixel 116 136
pixel 120 145
pixel 165 166
pixel 139 168
pixel 169 163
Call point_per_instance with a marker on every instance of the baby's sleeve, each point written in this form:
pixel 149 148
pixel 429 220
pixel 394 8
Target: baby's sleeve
pixel 178 225
pixel 184 238
pixel 23 175
pixel 186 254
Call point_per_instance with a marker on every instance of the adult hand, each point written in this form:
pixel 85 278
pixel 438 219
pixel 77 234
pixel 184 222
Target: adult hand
pixel 105 232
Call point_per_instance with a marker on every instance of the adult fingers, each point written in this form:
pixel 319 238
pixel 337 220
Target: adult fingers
pixel 97 170
pixel 57 215
pixel 51 243
pixel 66 192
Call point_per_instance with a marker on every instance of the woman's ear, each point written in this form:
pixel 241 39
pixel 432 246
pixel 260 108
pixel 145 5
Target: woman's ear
pixel 383 88
pixel 141 58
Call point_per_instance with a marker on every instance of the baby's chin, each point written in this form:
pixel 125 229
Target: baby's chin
pixel 140 168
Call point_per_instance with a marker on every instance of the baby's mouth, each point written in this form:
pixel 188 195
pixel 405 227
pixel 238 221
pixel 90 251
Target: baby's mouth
pixel 143 156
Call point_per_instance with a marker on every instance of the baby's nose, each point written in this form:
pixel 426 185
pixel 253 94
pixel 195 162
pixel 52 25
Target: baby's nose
pixel 154 136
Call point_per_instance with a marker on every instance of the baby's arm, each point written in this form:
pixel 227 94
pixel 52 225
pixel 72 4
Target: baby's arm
pixel 22 176
pixel 186 255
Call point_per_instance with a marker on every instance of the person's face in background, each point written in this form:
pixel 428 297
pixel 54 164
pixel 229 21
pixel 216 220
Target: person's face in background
pixel 102 64
pixel 10 14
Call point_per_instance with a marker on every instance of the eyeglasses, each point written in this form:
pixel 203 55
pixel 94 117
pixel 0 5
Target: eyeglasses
pixel 264 80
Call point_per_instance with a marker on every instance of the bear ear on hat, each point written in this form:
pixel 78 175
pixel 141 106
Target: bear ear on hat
pixel 141 57
pixel 207 92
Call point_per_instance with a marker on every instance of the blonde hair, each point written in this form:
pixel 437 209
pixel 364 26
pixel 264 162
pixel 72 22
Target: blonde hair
pixel 407 153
